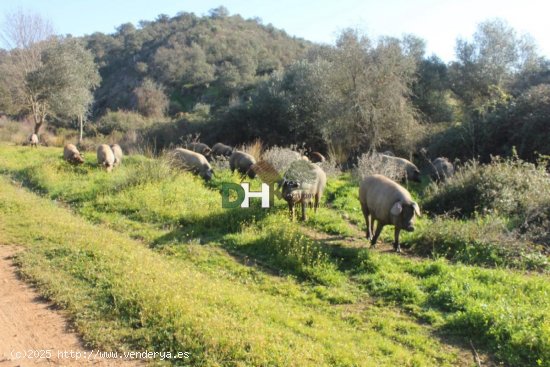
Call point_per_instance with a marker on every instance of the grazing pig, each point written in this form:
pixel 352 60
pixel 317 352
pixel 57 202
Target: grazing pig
pixel 72 155
pixel 33 140
pixel 442 169
pixel 316 157
pixel 410 171
pixel 243 163
pixel 192 161
pixel 105 157
pixel 117 151
pixel 387 202
pixel 220 149
pixel 302 183
pixel 199 148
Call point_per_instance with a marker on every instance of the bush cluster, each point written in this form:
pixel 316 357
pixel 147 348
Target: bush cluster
pixel 476 198
pixel 119 121
pixel 509 187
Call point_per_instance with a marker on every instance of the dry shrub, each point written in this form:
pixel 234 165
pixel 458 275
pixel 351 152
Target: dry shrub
pixel 146 149
pixel 58 139
pixel 190 138
pixel 254 149
pixel 17 132
pixel 330 166
pixel 119 121
pixel 280 157
pixel 337 154
pixel 132 142
pixel 372 163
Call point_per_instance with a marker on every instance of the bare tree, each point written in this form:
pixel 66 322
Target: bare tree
pixel 23 29
pixel 26 35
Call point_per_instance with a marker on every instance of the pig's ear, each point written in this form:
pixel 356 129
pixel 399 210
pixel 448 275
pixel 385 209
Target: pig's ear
pixel 416 208
pixel 397 208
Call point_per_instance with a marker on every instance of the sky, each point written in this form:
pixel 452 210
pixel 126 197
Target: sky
pixel 439 23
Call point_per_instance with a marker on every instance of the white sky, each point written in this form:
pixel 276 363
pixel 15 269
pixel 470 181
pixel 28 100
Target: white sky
pixel 437 22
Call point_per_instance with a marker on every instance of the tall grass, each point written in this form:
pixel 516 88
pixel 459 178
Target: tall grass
pixel 255 149
pixel 485 241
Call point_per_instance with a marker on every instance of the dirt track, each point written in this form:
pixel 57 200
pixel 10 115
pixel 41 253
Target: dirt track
pixel 28 323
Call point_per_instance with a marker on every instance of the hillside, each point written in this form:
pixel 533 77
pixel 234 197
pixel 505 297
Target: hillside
pixel 210 59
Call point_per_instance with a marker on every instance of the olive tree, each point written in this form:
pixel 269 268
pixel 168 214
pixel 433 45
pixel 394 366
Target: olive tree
pixel 65 80
pixel 46 75
pixel 370 92
pixel 489 63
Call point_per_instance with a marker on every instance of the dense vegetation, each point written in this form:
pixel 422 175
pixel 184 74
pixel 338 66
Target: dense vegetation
pixel 211 60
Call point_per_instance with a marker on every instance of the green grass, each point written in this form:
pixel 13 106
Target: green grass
pixel 145 257
pixel 503 311
pixel 483 241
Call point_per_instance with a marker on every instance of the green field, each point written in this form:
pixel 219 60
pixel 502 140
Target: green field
pixel 146 258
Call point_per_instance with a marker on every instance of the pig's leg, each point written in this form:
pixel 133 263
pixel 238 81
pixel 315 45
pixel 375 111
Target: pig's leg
pixel 396 245
pixel 368 220
pixel 379 227
pixel 316 205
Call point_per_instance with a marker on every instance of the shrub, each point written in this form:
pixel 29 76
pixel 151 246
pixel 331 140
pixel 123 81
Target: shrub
pixel 371 163
pixel 281 158
pixel 119 121
pixel 15 131
pixel 331 167
pixel 200 113
pixel 506 187
pixel 150 99
pixel 511 189
pixel 448 140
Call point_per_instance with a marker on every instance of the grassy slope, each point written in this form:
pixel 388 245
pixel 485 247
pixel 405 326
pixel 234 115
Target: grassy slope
pixel 170 276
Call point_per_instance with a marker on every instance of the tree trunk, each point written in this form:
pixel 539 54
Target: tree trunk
pixel 81 124
pixel 39 115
